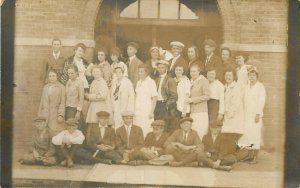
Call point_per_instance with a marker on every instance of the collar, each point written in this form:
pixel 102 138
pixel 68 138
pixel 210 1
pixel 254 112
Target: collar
pixel 101 126
pixel 210 55
pixel 132 57
pixel 54 54
pixel 232 85
pixel 177 57
pixel 164 75
pixel 198 78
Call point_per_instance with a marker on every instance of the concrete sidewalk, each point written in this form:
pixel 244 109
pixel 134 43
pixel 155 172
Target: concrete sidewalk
pixel 266 173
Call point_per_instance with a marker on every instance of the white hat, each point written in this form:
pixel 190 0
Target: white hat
pixel 177 43
pixel 163 62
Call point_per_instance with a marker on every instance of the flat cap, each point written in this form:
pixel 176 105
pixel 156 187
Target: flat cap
pixel 154 48
pixel 186 119
pixel 72 122
pixel 177 43
pixel 163 62
pixel 127 113
pixel 102 114
pixel 133 44
pixel 160 123
pixel 210 42
pixel 39 118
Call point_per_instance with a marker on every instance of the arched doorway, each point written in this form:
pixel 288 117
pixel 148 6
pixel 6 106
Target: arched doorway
pixel 157 22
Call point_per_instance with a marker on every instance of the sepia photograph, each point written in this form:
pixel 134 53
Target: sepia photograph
pixel 149 93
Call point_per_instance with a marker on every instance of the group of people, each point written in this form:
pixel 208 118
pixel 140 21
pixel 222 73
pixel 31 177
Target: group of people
pixel 196 112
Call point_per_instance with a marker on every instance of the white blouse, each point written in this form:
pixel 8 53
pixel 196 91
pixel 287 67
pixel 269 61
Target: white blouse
pixel 217 92
pixel 183 89
pixel 75 138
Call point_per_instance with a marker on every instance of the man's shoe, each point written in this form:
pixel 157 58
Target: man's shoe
pixel 224 168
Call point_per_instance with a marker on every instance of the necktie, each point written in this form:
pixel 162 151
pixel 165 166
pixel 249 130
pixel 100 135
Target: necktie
pixel 128 134
pixel 207 59
pixel 185 138
pixel 116 92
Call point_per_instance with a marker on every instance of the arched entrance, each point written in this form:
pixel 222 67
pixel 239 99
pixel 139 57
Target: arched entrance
pixel 157 22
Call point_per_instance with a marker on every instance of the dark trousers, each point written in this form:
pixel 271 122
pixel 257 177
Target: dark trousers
pixel 70 113
pixel 228 144
pixel 68 153
pixel 171 116
pixel 111 155
pixel 183 157
pixel 213 109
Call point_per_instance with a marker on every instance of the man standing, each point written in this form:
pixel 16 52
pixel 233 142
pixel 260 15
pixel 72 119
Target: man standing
pixel 133 62
pixel 212 60
pixel 166 108
pixel 176 49
pixel 54 61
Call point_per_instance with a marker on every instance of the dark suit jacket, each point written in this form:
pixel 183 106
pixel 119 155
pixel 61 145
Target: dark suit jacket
pixel 168 90
pixel 182 61
pixel 133 70
pixel 136 138
pixel 51 63
pixel 210 146
pixel 150 141
pixel 153 73
pixel 216 62
pixel 94 137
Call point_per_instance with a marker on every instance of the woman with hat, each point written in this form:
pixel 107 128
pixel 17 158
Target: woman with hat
pixel 155 56
pixel 52 104
pixel 145 100
pixel 122 95
pixel 99 96
pixel 241 59
pixel 114 56
pixel 254 101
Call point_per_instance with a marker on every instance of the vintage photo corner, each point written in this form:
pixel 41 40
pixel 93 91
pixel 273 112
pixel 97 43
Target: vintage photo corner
pixel 150 93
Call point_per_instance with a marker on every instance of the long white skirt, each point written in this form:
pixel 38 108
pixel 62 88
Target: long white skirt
pixel 200 123
pixel 144 122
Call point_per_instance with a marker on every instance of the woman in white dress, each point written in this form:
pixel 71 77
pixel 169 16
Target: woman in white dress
pixel 242 74
pixel 198 100
pixel 145 100
pixel 122 96
pixel 99 96
pixel 183 91
pixel 254 101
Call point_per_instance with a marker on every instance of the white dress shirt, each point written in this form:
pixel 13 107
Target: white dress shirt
pixel 102 130
pixel 208 58
pixel 173 61
pixel 56 55
pixel 75 138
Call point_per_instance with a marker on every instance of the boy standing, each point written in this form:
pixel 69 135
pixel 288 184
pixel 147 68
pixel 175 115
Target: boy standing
pixel 41 151
pixel 69 140
pixel 133 62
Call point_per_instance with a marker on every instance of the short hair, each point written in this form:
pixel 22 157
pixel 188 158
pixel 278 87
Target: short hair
pixel 179 65
pixel 56 39
pixel 145 67
pixel 96 67
pixel 227 49
pixel 81 45
pixel 233 71
pixel 211 69
pixel 53 71
pixel 102 49
pixel 196 50
pixel 253 71
pixel 115 51
pixel 245 55
pixel 197 66
pixel 74 67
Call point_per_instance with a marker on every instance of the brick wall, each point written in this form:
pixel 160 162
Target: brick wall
pixel 246 22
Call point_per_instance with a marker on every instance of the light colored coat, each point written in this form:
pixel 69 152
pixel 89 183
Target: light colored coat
pixel 233 105
pixel 199 94
pixel 99 98
pixel 52 105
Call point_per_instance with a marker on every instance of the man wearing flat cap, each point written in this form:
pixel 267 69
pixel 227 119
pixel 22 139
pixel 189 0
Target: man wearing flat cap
pixel 129 137
pixel 133 62
pixel 184 144
pixel 42 150
pixel 166 108
pixel 176 50
pixel 153 148
pixel 211 59
pixel 101 140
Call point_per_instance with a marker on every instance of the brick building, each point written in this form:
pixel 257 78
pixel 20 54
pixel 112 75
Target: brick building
pixel 256 26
